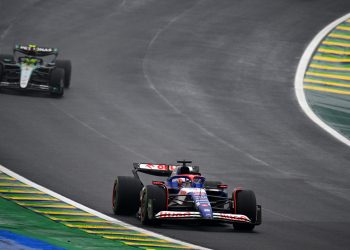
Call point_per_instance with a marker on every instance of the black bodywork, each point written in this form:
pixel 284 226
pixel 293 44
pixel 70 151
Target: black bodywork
pixel 44 61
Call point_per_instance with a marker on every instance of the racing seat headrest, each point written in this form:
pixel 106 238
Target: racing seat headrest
pixel 184 170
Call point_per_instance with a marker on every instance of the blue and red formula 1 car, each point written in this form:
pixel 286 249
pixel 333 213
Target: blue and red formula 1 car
pixel 184 195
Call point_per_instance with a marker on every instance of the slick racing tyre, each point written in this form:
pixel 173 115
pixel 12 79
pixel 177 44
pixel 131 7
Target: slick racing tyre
pixel 152 202
pixel 246 205
pixel 126 195
pixel 56 82
pixel 66 65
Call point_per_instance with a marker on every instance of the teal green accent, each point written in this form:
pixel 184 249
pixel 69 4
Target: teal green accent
pixel 338 40
pixel 327 71
pixel 323 79
pixel 332 109
pixel 330 55
pixel 341 32
pixel 333 47
pixel 332 64
pixel 344 25
pixel 329 87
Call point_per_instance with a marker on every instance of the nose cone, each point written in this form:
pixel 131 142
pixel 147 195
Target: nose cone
pixel 205 211
pixel 202 204
pixel 26 72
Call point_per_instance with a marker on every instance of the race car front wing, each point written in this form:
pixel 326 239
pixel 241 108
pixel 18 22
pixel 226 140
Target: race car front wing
pixel 196 215
pixel 16 85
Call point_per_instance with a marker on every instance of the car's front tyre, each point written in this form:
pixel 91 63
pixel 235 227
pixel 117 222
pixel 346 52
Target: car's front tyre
pixel 56 82
pixel 152 202
pixel 245 203
pixel 66 65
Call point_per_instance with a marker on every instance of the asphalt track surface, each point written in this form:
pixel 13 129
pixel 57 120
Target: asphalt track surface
pixel 210 81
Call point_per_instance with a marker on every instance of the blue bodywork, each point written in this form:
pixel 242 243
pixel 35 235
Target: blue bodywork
pixel 195 189
pixel 202 203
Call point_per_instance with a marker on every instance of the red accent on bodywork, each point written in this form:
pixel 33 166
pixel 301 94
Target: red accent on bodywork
pixel 222 186
pixel 162 167
pixel 172 167
pixel 158 183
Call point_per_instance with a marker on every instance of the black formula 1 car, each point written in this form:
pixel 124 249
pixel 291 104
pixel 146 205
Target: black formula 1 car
pixel 184 195
pixel 31 67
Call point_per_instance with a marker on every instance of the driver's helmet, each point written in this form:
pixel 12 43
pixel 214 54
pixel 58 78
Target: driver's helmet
pixel 30 60
pixel 181 182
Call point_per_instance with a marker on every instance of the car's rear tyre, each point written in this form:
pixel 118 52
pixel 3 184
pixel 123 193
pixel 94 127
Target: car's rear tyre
pixel 126 195
pixel 245 202
pixel 66 65
pixel 152 202
pixel 56 82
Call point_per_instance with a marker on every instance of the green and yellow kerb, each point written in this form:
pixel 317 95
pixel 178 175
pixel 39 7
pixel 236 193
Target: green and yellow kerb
pixel 329 69
pixel 72 218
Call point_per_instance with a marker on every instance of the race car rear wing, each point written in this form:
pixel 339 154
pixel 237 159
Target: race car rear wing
pixel 158 169
pixel 34 50
pixel 154 169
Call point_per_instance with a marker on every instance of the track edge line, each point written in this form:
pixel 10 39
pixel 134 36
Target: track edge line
pixel 299 79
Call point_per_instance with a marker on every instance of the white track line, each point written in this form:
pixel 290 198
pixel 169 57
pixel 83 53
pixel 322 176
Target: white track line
pixel 94 212
pixel 299 79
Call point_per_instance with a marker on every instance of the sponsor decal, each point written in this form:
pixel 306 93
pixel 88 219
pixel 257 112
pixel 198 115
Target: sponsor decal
pixel 162 167
pixel 44 49
pixel 172 168
pixel 35 48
